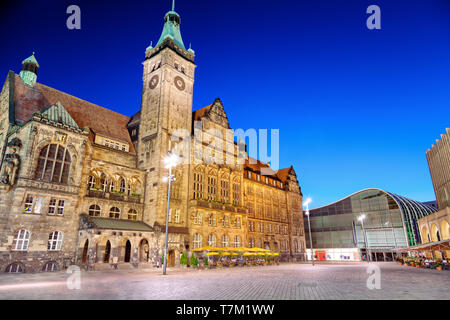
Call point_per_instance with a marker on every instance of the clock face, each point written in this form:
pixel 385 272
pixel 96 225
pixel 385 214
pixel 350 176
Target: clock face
pixel 179 83
pixel 153 82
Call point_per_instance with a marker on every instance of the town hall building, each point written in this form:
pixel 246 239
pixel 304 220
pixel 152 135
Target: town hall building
pixel 80 183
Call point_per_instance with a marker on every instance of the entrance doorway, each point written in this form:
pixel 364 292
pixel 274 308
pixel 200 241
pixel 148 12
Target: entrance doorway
pixel 143 251
pixel 171 258
pixel 107 252
pixel 127 251
pixel 85 252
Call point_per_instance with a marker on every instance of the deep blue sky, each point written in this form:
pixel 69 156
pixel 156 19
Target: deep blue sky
pixel 356 108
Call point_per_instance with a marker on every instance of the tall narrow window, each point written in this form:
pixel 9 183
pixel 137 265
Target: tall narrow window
pixel 55 241
pixel 236 194
pixel 122 185
pixel 61 204
pixel 225 241
pixel 52 207
pixel 212 188
pixel 197 241
pixel 21 240
pixel 53 164
pixel 237 241
pixel 212 240
pixel 198 185
pixel 92 182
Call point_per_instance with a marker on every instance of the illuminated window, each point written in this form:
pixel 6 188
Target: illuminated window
pixel 212 240
pixel 114 212
pixel 197 241
pixel 94 210
pixel 53 164
pixel 55 241
pixel 21 240
pixel 132 214
pixel 225 240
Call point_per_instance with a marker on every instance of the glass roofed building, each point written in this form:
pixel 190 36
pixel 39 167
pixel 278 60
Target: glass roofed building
pixel 390 222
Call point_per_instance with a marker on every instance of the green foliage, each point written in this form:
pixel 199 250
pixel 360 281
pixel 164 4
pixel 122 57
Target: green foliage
pixel 162 259
pixel 183 259
pixel 206 262
pixel 194 261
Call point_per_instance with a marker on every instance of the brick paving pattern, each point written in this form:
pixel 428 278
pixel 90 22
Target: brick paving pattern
pixel 283 282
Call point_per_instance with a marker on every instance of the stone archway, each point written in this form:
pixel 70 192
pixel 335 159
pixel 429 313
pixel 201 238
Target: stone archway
pixel 127 255
pixel 434 233
pixel 144 251
pixel 107 252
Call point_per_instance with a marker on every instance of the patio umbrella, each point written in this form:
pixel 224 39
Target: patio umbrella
pixel 212 254
pixel 246 254
pixel 225 254
pixel 206 248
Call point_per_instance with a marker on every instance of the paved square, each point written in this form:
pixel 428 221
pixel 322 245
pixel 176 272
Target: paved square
pixel 284 282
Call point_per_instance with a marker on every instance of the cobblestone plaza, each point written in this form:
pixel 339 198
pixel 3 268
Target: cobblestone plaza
pixel 284 282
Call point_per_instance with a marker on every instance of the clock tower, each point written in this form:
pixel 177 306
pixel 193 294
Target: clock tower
pixel 166 108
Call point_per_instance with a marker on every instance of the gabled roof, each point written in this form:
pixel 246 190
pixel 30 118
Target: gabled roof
pixel 57 113
pixel 29 99
pixel 260 167
pixel 214 112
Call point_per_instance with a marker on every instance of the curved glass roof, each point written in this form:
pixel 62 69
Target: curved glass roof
pixel 411 210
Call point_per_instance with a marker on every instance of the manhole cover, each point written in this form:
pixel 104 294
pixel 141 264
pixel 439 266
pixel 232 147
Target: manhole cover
pixel 308 284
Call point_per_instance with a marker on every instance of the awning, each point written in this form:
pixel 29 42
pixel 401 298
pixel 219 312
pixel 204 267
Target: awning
pixel 430 246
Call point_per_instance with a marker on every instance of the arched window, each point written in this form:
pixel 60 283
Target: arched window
pixel 114 212
pixel 53 164
pixel 137 189
pixel 237 241
pixel 197 241
pixel 55 241
pixel 14 268
pixel 212 240
pixel 92 182
pixel 94 210
pixel 21 240
pixel 51 266
pixel 122 185
pixel 103 182
pixel 225 240
pixel 132 214
pixel 112 186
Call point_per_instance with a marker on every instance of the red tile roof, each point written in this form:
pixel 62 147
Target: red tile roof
pixel 261 167
pixel 28 100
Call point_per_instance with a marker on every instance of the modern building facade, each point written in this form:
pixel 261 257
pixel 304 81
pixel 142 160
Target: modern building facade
pixel 390 222
pixel 80 183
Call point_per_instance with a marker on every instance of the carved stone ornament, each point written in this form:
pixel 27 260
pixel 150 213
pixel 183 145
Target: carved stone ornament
pixel 11 163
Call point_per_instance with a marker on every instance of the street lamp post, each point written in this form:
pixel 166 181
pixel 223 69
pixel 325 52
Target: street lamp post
pixel 170 161
pixel 309 227
pixel 361 219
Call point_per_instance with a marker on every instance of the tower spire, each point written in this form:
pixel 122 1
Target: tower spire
pixel 173 5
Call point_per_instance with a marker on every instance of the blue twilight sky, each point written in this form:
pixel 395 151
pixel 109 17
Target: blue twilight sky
pixel 356 108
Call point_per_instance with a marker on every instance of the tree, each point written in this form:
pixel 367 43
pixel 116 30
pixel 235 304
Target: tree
pixel 183 259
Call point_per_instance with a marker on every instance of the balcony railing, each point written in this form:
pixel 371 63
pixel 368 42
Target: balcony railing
pixel 114 196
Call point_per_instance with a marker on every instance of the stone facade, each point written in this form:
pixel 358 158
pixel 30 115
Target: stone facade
pixel 439 163
pixel 82 184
